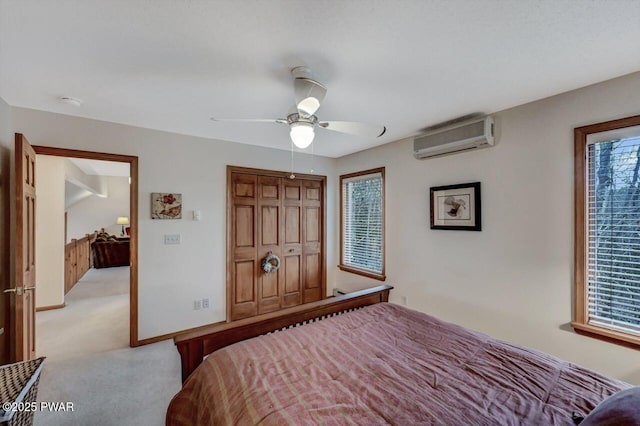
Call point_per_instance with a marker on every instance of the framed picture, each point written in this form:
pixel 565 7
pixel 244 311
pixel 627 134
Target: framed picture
pixel 166 205
pixel 456 207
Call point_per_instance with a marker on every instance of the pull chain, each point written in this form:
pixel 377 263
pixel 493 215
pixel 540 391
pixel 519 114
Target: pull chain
pixel 292 176
pixel 313 158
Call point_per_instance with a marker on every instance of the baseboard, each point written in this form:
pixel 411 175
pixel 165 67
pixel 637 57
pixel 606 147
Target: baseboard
pixel 172 335
pixel 50 307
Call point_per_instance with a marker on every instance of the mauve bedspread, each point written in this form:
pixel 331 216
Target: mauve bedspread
pixel 385 364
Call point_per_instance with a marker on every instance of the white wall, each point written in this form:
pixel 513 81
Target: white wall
pixel 6 254
pixel 172 276
pixel 94 212
pixel 513 280
pixel 92 183
pixel 50 231
pixel 6 137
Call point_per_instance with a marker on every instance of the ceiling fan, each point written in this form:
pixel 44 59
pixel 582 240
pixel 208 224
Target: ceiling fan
pixel 301 119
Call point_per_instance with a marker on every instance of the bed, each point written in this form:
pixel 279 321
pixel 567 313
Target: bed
pixel 379 363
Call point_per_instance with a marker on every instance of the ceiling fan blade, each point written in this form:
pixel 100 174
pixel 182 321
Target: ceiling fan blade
pixel 308 94
pixel 354 128
pixel 252 120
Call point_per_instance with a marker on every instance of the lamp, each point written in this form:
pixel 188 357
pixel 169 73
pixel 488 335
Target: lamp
pixel 302 134
pixel 122 220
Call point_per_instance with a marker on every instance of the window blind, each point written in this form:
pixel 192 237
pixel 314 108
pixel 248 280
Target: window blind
pixel 362 227
pixel 613 229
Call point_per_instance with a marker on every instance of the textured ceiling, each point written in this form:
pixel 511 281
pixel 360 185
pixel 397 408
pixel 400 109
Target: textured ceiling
pixel 170 65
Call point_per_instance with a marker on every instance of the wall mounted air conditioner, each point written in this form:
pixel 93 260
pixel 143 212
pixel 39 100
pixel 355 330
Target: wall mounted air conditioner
pixel 465 136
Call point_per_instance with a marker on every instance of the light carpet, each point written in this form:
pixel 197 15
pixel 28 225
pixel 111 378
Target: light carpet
pixel 89 361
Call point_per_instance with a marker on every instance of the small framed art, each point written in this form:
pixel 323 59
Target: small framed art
pixel 456 207
pixel 166 205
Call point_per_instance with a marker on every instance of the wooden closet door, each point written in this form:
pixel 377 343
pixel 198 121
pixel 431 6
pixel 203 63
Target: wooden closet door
pixel 269 240
pixel 312 232
pixel 292 243
pixel 268 212
pixel 243 262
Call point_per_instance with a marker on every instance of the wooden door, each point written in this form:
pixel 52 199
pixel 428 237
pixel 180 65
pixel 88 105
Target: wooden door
pixel 269 293
pixel 270 213
pixel 312 241
pixel 292 243
pixel 22 295
pixel 243 256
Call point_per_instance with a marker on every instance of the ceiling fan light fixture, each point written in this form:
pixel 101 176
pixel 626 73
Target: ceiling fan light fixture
pixel 309 105
pixel 308 94
pixel 302 134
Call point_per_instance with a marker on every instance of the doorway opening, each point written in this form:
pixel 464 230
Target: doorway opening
pixel 105 278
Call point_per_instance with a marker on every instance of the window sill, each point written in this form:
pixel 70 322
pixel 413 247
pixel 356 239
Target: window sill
pixel 368 274
pixel 610 335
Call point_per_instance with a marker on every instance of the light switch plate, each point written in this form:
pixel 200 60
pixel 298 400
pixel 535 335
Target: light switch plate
pixel 172 238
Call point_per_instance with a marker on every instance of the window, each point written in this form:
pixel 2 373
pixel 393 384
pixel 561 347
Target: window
pixel 362 223
pixel 607 230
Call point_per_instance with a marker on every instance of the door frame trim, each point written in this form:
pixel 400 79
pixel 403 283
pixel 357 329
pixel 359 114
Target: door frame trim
pixel 280 174
pixel 133 220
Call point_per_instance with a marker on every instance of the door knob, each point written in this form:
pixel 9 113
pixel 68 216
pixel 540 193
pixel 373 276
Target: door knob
pixel 17 291
pixel 29 288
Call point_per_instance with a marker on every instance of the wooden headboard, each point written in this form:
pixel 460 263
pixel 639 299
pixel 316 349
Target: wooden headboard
pixel 195 345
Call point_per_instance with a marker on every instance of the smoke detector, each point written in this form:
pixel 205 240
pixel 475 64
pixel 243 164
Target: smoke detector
pixel 71 101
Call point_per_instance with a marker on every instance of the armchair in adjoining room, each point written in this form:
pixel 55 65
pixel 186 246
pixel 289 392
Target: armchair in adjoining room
pixel 109 251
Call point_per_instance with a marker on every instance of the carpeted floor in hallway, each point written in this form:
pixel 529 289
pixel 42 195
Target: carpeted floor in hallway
pixel 89 361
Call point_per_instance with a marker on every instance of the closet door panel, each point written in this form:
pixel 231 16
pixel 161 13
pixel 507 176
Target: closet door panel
pixel 242 255
pixel 292 244
pixel 312 259
pixel 269 239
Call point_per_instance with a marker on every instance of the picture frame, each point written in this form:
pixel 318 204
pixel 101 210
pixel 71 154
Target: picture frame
pixel 166 205
pixel 456 207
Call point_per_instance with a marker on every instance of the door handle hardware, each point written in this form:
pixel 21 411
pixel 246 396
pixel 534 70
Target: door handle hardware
pixel 29 288
pixel 17 291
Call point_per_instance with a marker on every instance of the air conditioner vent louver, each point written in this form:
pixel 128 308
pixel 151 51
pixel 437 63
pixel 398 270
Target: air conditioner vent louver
pixel 459 137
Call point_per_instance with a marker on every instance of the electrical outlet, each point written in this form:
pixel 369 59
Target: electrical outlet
pixel 172 238
pixel 197 305
pixel 205 303
pixel 405 300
